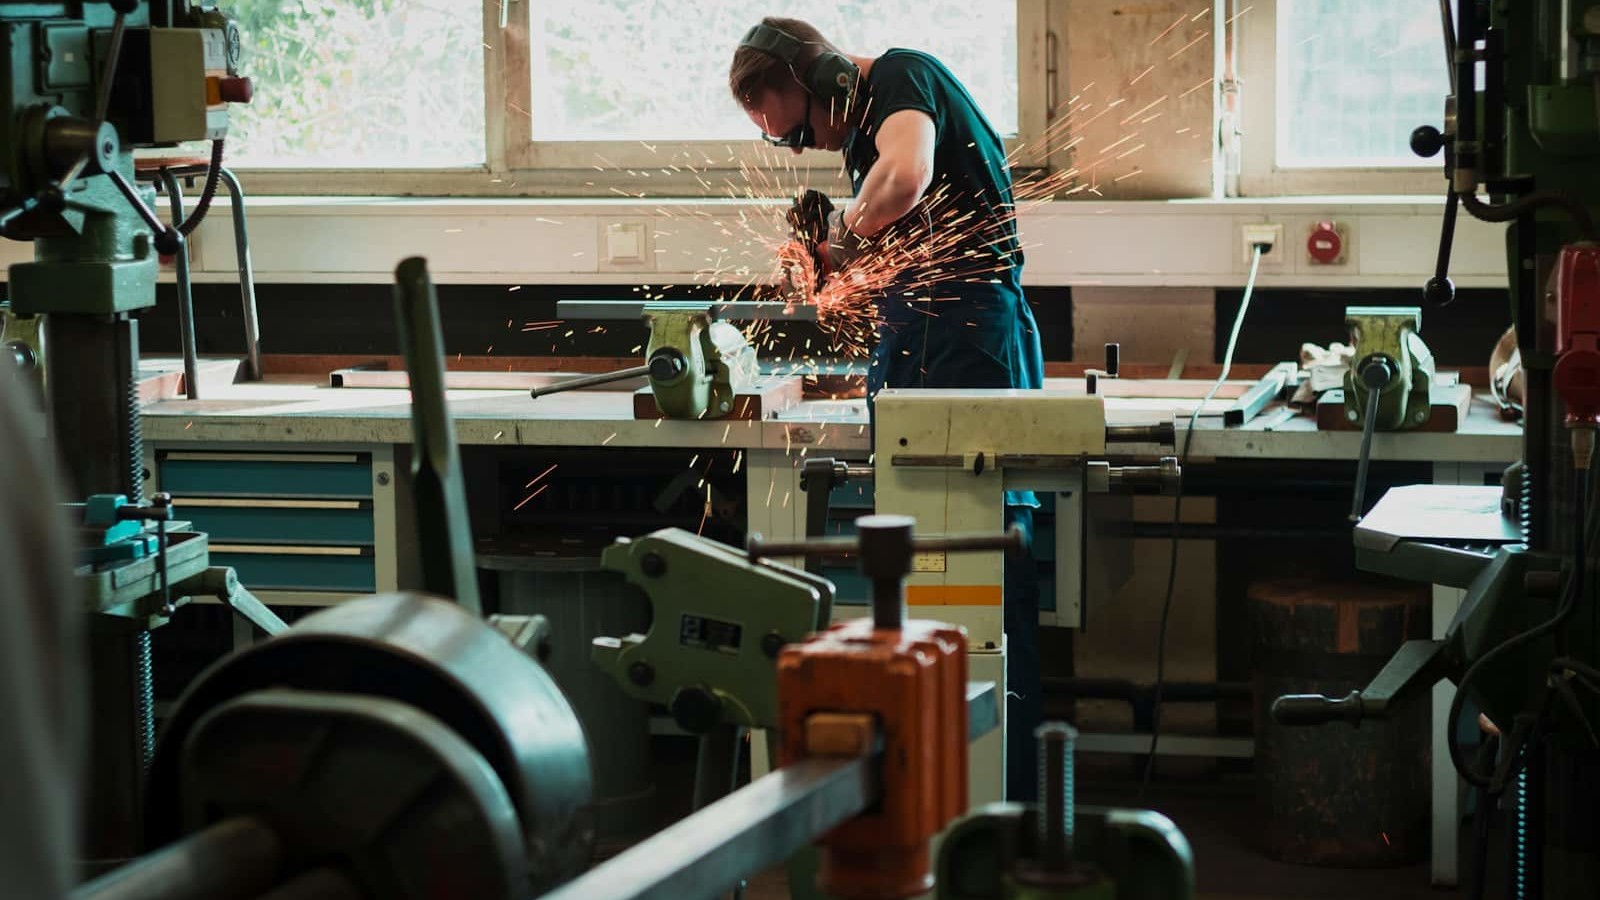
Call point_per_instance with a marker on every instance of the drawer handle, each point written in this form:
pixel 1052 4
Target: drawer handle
pixel 263 503
pixel 287 550
pixel 202 456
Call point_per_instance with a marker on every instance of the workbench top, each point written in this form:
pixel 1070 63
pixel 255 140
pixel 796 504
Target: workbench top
pixel 302 411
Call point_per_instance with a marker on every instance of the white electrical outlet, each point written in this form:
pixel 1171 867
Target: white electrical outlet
pixel 1253 234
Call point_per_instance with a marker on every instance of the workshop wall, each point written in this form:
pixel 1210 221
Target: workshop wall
pixel 478 320
pixel 1279 321
pixel 1136 114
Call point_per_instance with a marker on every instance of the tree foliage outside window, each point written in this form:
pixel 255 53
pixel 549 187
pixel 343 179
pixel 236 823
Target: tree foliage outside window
pixel 657 70
pixel 360 83
pixel 1354 78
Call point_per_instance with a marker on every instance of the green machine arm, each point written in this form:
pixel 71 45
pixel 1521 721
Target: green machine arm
pixel 718 622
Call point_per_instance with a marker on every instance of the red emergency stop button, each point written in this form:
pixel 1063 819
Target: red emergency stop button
pixel 1325 245
pixel 235 90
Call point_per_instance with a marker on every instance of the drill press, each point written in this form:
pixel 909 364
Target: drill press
pixel 85 84
pixel 1524 644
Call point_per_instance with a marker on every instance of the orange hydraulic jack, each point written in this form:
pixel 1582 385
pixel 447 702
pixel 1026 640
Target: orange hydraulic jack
pixel 894 687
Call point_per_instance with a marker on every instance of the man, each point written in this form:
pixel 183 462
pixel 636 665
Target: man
pixel 931 232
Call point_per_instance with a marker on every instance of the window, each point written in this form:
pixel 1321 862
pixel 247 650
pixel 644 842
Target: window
pixel 574 97
pixel 1330 91
pixel 1354 78
pixel 360 83
pixel 643 70
pixel 642 84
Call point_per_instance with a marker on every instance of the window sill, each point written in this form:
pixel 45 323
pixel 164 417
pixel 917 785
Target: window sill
pixel 1392 241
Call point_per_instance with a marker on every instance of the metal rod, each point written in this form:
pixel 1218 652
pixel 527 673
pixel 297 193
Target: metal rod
pixel 1056 790
pixel 1012 540
pixel 725 311
pixel 247 277
pixel 108 77
pixel 583 381
pixel 191 365
pixel 148 215
pixel 744 833
pixel 443 534
pixel 1162 433
pixel 234 858
pixel 1358 503
pixel 1449 41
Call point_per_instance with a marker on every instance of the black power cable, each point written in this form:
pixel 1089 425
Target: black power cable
pixel 1177 516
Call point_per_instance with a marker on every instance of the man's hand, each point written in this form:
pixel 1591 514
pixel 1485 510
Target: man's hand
pixel 809 218
pixel 844 246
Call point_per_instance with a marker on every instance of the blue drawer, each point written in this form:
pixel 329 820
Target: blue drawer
pixel 301 572
pixel 854 494
pixel 352 525
pixel 851 588
pixel 206 474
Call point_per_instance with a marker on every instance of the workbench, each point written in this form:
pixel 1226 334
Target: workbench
pixel 303 422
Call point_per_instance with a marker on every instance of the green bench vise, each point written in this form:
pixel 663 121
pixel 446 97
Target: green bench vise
pixel 1393 369
pixel 718 622
pixel 696 364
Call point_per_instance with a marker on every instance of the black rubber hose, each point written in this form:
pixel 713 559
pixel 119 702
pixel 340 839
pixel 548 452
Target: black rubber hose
pixel 203 206
pixel 1507 212
pixel 1569 601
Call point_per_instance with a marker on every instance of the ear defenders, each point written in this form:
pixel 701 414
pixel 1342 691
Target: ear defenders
pixel 830 77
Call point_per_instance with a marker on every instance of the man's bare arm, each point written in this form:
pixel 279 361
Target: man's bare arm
pixel 904 169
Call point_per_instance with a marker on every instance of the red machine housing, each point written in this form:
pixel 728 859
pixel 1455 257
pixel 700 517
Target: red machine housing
pixel 1577 369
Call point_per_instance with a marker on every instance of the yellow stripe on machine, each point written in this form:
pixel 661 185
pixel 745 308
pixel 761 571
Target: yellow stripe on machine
pixel 953 594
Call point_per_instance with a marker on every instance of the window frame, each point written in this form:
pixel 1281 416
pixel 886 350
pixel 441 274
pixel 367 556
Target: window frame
pixel 1256 36
pixel 515 166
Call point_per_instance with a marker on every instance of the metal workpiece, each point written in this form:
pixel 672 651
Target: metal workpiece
pixel 444 537
pixel 725 311
pixel 754 828
pixel 1165 478
pixel 710 653
pixel 441 662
